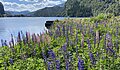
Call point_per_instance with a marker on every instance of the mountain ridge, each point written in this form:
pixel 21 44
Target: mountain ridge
pixel 17 13
pixel 48 11
pixel 44 12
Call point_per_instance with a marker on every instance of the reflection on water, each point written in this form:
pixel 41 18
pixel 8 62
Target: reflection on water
pixel 12 25
pixel 2 27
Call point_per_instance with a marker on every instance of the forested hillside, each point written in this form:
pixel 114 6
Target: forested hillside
pixel 48 12
pixel 1 9
pixel 87 8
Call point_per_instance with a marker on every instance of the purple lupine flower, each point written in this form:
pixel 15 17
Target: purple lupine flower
pixel 67 29
pixel 34 37
pixel 11 61
pixel 57 65
pixel 11 46
pixel 27 37
pixel 66 35
pixel 2 42
pixel 82 40
pixel 117 47
pixel 105 42
pixel 19 37
pixel 94 41
pixel 80 64
pixel 85 28
pixel 12 40
pixel 5 43
pixel 55 36
pixel 109 44
pixel 50 33
pixel 91 30
pixel 63 30
pixel 49 65
pixel 76 37
pixel 38 38
pixel 117 31
pixel 23 37
pixel 67 65
pixel 89 45
pixel 52 54
pixel 92 59
pixel 42 37
pixel 81 27
pixel 108 37
pixel 77 26
pixel 71 31
pixel 58 30
pixel 111 50
pixel 64 47
pixel 44 57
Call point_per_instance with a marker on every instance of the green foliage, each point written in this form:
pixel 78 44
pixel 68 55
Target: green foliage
pixel 102 17
pixel 87 8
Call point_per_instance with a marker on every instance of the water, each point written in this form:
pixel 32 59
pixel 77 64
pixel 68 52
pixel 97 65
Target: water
pixel 12 25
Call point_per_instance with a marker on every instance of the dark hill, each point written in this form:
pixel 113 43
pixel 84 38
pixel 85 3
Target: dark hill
pixel 49 11
pixel 1 9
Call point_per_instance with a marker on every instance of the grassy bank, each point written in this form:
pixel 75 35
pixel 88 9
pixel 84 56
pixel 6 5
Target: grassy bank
pixel 70 44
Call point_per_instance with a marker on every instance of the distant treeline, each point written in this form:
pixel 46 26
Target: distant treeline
pixel 20 15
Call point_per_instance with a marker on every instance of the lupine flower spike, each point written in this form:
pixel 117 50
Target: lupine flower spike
pixel 80 64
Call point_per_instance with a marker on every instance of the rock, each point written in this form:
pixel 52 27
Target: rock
pixel 48 24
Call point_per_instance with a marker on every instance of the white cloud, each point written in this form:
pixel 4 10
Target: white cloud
pixel 30 0
pixel 39 4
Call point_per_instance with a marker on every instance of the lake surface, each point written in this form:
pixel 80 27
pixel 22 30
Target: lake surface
pixel 12 25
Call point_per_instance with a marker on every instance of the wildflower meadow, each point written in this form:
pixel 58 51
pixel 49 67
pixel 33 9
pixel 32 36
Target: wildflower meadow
pixel 70 44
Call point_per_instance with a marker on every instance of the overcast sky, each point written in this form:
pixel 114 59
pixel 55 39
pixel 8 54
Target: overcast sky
pixel 29 5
